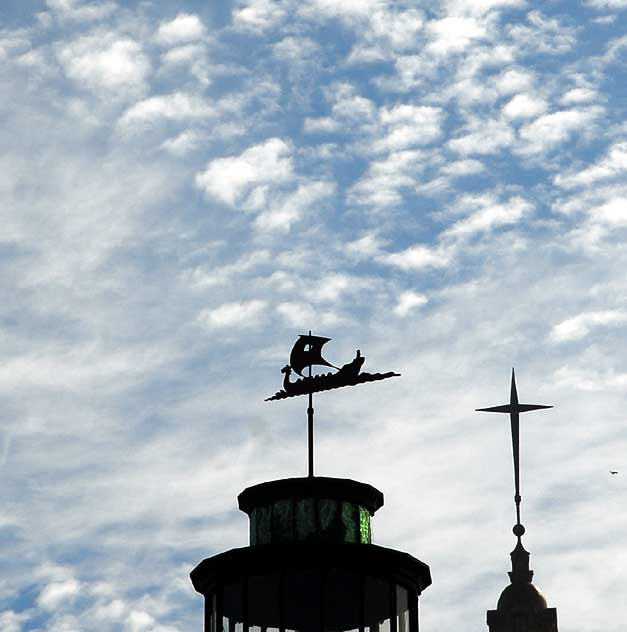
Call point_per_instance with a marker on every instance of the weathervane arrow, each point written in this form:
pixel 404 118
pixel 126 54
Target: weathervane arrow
pixel 514 408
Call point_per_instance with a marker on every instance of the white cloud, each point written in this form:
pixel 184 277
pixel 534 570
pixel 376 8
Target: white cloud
pixel 514 80
pixel 295 313
pixel 453 34
pixel 365 247
pixel 110 611
pixel 614 49
pixel 385 179
pixel 78 11
pixel 550 130
pixel 178 106
pixel 481 7
pixel 613 164
pixel 14 43
pixel 611 213
pixel 183 54
pixel 524 106
pixel 459 168
pixel 139 621
pixel 485 214
pixel 398 30
pixel 185 27
pixel 184 143
pixel 12 621
pixel 407 126
pixel 418 257
pixel 193 56
pixel 258 15
pixel 230 179
pixel 106 63
pixel 607 4
pixel 385 32
pixel 590 379
pixel 487 137
pixel 579 95
pixel 202 277
pixel 408 301
pixel 324 125
pixel 491 216
pixel 580 326
pixel 55 593
pixel 236 314
pixel 411 71
pixel 349 10
pixel 543 34
pixel 605 19
pixel 348 106
pixel 291 208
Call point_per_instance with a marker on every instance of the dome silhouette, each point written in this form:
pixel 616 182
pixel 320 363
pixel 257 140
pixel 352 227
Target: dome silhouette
pixel 521 598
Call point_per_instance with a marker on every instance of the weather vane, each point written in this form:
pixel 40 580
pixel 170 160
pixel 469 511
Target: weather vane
pixel 514 408
pixel 307 352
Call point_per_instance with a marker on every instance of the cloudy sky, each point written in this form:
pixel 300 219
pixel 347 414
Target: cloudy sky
pixel 186 186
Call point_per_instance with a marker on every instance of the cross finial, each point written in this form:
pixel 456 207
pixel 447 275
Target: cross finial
pixel 514 408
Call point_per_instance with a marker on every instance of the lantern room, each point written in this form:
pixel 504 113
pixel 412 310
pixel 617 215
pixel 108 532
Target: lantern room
pixel 311 565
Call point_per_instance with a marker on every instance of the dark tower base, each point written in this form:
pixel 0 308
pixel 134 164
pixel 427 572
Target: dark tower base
pixel 544 621
pixel 311 566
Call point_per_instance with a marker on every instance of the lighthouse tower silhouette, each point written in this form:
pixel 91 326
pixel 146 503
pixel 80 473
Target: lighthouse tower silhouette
pixel 311 565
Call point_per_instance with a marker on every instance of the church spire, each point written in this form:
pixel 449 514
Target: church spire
pixel 521 606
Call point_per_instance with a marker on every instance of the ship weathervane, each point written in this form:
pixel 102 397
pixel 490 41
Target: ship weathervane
pixel 307 352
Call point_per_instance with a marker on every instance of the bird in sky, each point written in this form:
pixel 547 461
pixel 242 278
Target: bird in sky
pixel 613 471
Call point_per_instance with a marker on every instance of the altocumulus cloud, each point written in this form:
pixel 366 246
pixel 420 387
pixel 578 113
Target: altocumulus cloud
pixel 186 189
pixel 263 165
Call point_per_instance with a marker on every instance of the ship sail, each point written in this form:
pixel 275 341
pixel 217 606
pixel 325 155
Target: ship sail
pixel 307 351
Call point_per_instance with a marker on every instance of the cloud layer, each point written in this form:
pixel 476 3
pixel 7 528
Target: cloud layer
pixel 186 190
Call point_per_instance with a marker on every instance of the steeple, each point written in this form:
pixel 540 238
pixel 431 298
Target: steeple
pixel 521 606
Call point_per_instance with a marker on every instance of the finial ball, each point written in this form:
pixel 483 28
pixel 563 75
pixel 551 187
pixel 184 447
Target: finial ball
pixel 518 530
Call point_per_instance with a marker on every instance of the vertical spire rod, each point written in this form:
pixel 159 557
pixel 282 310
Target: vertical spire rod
pixel 514 418
pixel 514 408
pixel 310 437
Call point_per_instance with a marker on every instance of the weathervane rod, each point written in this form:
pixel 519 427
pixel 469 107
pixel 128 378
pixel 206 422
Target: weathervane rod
pixel 310 435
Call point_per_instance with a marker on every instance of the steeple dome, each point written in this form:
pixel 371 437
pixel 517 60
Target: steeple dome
pixel 521 596
pixel 521 606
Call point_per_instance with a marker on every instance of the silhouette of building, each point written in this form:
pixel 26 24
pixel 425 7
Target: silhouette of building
pixel 521 606
pixel 311 565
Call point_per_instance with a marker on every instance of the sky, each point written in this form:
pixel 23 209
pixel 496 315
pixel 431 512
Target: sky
pixel 185 187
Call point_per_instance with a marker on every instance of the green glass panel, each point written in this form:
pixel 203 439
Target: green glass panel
pixel 349 523
pixel 364 526
pixel 283 521
pixel 327 513
pixel 264 525
pixel 305 519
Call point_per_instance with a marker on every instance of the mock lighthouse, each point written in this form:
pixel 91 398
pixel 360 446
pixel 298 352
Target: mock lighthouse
pixel 311 565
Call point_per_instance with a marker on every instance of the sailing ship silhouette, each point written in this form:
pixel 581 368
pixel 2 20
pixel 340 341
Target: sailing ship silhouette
pixel 307 352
